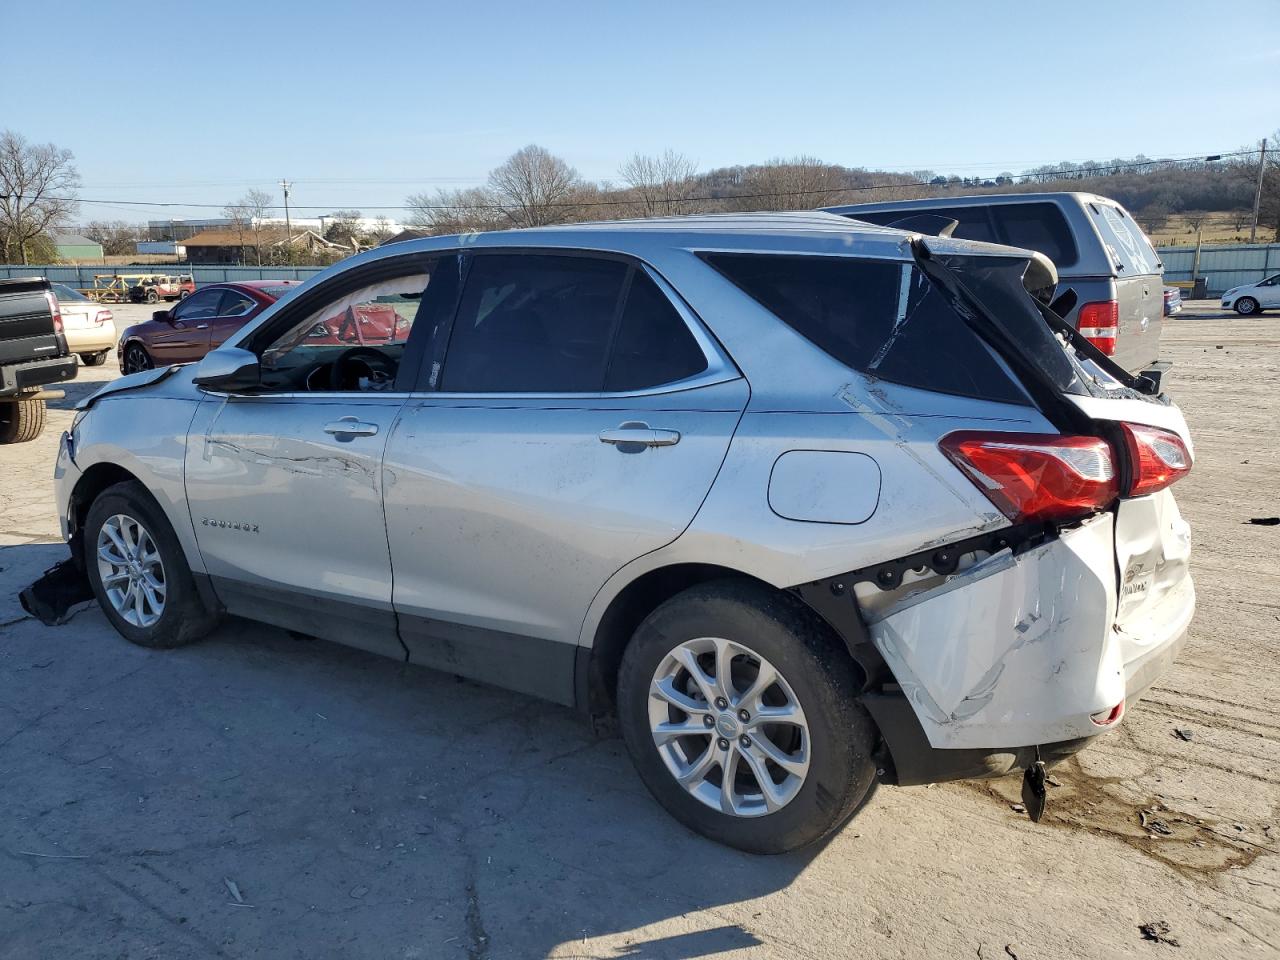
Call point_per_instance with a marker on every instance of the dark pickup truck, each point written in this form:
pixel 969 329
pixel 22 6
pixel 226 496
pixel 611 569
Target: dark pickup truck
pixel 33 353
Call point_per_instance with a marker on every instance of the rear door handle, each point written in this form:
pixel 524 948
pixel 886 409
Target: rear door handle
pixel 349 427
pixel 639 432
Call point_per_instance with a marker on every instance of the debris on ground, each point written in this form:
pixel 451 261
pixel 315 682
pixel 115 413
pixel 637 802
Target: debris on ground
pixel 233 890
pixel 1182 733
pixel 1017 808
pixel 1053 781
pixel 59 589
pixel 1153 824
pixel 1265 521
pixel 1157 931
pixel 1008 948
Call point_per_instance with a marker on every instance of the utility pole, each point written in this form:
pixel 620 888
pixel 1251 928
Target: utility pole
pixel 1257 193
pixel 288 228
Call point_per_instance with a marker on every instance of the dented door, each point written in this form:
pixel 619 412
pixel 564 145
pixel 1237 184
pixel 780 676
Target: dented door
pixel 308 550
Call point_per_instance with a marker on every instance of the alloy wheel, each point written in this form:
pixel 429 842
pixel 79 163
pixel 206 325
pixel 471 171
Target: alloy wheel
pixel 131 570
pixel 136 360
pixel 729 727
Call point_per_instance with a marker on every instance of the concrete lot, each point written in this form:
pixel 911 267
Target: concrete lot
pixel 362 809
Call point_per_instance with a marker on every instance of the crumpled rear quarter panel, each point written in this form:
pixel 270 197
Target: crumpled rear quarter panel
pixel 1014 651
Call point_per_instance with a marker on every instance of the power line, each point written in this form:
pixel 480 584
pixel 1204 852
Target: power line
pixel 1046 176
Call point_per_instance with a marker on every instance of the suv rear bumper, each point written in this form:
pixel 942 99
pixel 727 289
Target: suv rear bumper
pixel 910 759
pixel 16 377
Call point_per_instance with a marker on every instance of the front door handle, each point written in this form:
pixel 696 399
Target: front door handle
pixel 349 427
pixel 640 433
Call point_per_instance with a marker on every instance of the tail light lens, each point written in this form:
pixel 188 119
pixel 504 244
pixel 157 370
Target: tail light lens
pixel 1098 322
pixel 1156 458
pixel 1033 476
pixel 55 309
pixel 1105 718
pixel 105 316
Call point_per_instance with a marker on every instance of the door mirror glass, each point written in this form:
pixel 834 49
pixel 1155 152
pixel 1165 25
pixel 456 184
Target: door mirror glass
pixel 228 368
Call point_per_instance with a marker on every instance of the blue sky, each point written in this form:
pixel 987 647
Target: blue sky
pixel 362 103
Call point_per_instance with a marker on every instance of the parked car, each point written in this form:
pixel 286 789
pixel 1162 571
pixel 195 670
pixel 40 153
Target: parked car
pixel 1172 301
pixel 1253 297
pixel 1111 276
pixel 198 324
pixel 33 354
pixel 89 327
pixel 157 287
pixel 785 492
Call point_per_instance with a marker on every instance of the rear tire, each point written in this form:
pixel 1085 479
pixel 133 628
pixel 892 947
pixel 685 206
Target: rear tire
pixel 1246 306
pixel 136 359
pixel 831 744
pixel 180 616
pixel 21 420
pixel 94 359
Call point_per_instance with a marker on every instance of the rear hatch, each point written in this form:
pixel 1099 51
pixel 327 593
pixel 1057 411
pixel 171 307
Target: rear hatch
pixel 1086 393
pixel 29 325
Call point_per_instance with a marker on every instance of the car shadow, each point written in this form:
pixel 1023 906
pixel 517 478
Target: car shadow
pixel 365 794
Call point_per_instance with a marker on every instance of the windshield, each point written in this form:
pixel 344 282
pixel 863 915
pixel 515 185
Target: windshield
pixel 1130 251
pixel 63 292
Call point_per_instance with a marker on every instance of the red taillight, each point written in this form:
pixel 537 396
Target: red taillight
pixel 1097 323
pixel 105 316
pixel 1033 476
pixel 55 309
pixel 1156 458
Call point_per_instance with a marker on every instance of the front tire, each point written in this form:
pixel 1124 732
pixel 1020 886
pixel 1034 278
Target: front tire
pixel 21 420
pixel 153 297
pixel 138 571
pixel 136 359
pixel 94 359
pixel 732 677
pixel 1246 306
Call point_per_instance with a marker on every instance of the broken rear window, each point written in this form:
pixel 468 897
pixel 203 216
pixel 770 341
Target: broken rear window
pixel 881 318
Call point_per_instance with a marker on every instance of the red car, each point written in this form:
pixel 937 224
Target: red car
pixel 197 324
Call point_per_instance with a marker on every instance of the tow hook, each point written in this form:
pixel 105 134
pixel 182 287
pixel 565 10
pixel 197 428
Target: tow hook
pixel 1034 794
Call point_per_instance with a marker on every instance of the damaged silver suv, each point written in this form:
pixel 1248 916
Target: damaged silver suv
pixel 806 502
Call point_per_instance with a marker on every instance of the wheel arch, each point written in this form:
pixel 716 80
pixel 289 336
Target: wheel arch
pixel 600 658
pixel 92 482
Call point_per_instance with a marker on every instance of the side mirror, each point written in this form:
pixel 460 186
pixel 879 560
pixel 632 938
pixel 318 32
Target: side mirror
pixel 228 368
pixel 162 316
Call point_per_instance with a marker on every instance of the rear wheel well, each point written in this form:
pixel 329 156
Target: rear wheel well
pixel 96 479
pixel 630 607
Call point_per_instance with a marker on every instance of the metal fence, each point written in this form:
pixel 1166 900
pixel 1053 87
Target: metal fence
pixel 1223 266
pixel 81 276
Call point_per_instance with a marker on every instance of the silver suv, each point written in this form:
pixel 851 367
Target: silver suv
pixel 807 503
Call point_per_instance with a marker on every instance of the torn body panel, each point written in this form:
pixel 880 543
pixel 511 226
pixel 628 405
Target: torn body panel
pixel 1016 650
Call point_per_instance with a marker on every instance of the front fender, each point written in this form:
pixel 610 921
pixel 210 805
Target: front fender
pixel 145 436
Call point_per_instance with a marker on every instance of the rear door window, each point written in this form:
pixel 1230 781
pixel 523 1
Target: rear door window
pixel 1032 226
pixel 1130 250
pixel 880 318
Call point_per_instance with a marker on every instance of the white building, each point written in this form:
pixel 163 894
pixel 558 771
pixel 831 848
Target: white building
pixel 179 228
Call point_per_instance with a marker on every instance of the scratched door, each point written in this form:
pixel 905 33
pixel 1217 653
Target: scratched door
pixel 286 499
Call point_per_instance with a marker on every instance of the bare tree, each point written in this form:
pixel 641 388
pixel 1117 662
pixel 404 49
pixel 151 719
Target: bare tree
pixel 455 211
pixel 533 187
pixel 800 183
pixel 116 236
pixel 37 185
pixel 1195 219
pixel 660 183
pixel 344 227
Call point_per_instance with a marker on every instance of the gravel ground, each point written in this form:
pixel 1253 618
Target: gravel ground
pixel 257 795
